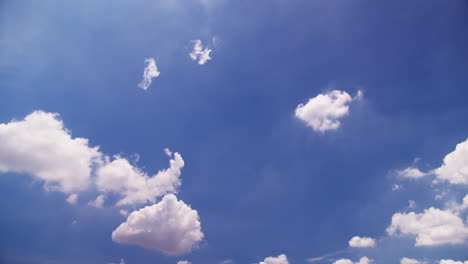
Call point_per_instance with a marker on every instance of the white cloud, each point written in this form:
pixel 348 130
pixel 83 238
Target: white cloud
pixel 227 261
pixel 449 261
pixel 72 198
pixel 323 112
pixel 363 260
pixel 200 54
pixel 455 166
pixel 411 261
pixel 412 173
pixel 396 187
pixel 361 242
pixel 150 72
pixel 99 202
pixel 411 204
pixel 281 259
pixel 184 262
pixel 123 212
pixel 119 176
pixel 39 145
pixel 432 227
pixel 169 226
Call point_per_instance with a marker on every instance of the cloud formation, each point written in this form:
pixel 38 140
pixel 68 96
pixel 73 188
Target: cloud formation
pixel 151 71
pixel 411 261
pixel 99 202
pixel 199 53
pixel 281 259
pixel 455 166
pixel 134 185
pixel 40 146
pixel 169 226
pixel 449 261
pixel 412 173
pixel 363 260
pixel 361 242
pixel 432 227
pixel 323 112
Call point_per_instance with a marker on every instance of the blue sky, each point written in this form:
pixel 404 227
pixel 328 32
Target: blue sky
pixel 263 179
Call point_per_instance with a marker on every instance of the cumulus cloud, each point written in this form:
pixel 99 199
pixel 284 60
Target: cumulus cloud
pixel 151 71
pixel 72 198
pixel 134 185
pixel 449 261
pixel 412 173
pixel 432 227
pixel 411 261
pixel 324 111
pixel 363 260
pixel 169 226
pixel 396 187
pixel 40 146
pixel 199 53
pixel 281 259
pixel 455 166
pixel 99 202
pixel 361 242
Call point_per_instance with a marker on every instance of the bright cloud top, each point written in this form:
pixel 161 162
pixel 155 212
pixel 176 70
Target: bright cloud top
pixel 199 53
pixel 169 226
pixel 361 242
pixel 411 261
pixel 40 146
pixel 412 173
pixel 150 72
pixel 449 261
pixel 281 259
pixel 363 260
pixel 455 166
pixel 324 111
pixel 432 227
pixel 136 187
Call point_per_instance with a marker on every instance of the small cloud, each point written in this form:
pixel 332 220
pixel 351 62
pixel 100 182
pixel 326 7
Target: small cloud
pixel 361 242
pixel 281 259
pixel 184 262
pixel 123 212
pixel 199 53
pixel 396 187
pixel 227 261
pixel 99 202
pixel 150 72
pixel 411 261
pixel 323 112
pixel 363 260
pixel 72 198
pixel 412 173
pixel 411 204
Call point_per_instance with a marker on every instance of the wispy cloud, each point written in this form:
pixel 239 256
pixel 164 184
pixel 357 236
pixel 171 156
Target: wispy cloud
pixel 151 71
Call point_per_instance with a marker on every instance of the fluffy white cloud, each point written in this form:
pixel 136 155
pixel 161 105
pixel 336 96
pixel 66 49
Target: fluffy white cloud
pixel 99 202
pixel 323 112
pixel 363 260
pixel 361 242
pixel 184 262
pixel 281 259
pixel 39 145
pixel 151 71
pixel 449 261
pixel 411 204
pixel 412 173
pixel 199 53
pixel 136 187
pixel 396 187
pixel 432 227
pixel 169 226
pixel 455 166
pixel 411 261
pixel 72 198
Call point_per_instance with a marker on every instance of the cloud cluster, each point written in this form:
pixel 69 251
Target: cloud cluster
pixel 151 71
pixel 40 146
pixel 135 186
pixel 169 226
pixel 281 259
pixel 323 112
pixel 199 53
pixel 361 242
pixel 455 166
pixel 363 260
pixel 432 227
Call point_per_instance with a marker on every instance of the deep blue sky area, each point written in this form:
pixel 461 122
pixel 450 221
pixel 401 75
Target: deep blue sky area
pixel 262 181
